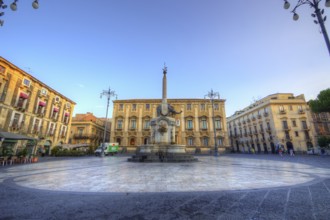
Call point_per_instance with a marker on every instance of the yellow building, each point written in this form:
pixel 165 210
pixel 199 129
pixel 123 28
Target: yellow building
pixel 88 130
pixel 31 108
pixel 131 123
pixel 280 117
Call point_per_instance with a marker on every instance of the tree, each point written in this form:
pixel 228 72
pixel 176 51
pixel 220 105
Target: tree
pixel 322 102
pixel 324 141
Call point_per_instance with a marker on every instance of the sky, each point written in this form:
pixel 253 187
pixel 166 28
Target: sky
pixel 244 50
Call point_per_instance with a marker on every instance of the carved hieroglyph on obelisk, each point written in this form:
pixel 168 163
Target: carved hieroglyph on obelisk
pixel 164 108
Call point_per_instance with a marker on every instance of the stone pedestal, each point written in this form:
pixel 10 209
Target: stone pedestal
pixel 162 148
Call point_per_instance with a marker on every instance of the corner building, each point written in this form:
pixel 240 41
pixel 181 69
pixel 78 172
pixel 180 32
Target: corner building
pixel 278 117
pixel 194 126
pixel 30 107
pixel 88 130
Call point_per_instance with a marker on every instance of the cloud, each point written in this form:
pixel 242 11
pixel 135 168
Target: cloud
pixel 81 85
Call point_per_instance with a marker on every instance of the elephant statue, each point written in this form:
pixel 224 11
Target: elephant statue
pixel 171 111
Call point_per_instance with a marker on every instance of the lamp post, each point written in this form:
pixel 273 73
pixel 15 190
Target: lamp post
pixel 318 14
pixel 13 7
pixel 213 95
pixel 108 93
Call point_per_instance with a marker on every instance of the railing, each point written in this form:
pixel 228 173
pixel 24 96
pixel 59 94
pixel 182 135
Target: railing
pixel 287 128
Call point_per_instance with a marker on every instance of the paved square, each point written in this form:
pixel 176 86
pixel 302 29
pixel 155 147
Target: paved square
pixel 226 187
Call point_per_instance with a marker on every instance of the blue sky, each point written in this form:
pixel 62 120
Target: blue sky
pixel 244 50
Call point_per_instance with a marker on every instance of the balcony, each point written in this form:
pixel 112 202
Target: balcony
pixel 259 116
pixel 266 114
pixel 282 112
pixel 268 130
pixel 84 136
pixel 253 118
pixel 300 111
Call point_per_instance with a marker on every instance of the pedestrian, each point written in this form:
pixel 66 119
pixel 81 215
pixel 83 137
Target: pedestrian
pixel 289 146
pixel 280 148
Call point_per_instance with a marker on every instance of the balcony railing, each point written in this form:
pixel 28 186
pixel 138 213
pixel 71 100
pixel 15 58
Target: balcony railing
pixel 282 112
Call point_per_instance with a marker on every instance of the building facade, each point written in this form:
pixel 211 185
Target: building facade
pixel 87 129
pixel 194 125
pixel 276 118
pixel 30 107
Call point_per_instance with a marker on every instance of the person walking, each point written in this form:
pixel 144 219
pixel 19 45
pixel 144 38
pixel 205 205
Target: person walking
pixel 280 148
pixel 289 146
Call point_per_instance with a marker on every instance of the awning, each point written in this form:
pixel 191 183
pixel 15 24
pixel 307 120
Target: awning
pixel 13 136
pixel 23 95
pixel 42 103
pixel 55 109
pixel 66 114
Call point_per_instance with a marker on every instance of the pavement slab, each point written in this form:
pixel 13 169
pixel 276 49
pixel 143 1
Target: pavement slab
pixel 234 186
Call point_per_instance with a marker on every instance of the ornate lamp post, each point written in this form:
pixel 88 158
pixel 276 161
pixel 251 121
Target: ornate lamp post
pixel 213 95
pixel 108 93
pixel 13 7
pixel 318 14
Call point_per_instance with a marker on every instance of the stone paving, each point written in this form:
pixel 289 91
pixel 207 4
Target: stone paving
pixel 233 186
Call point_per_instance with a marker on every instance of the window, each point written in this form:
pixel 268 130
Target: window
pixel 290 107
pixel 188 107
pixel 121 107
pixel 203 107
pixel 205 141
pixel 22 100
pixel 57 99
pixel 133 107
pixel 147 107
pixel 16 121
pixel 266 110
pixel 294 124
pixel 54 113
pixel 68 105
pixel 43 91
pixel 80 132
pixel 146 124
pixel 120 124
pixel 190 141
pixel 296 133
pixel 285 124
pixel 36 125
pixel 204 123
pixel 133 123
pixel 51 129
pixel 190 124
pixel 217 123
pixel 41 108
pixel 300 108
pixel 219 141
pixel 66 117
pixel 304 124
pixel 26 82
pixel 2 69
pixel 281 108
pixel 216 107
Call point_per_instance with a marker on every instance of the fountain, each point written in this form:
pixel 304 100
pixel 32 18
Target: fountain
pixel 163 147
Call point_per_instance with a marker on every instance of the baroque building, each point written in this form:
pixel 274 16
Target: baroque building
pixel 32 108
pixel 194 125
pixel 280 117
pixel 88 130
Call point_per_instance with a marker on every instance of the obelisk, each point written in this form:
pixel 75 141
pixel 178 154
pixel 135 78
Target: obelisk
pixel 164 108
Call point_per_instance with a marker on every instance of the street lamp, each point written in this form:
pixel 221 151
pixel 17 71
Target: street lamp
pixel 13 7
pixel 213 95
pixel 108 93
pixel 318 14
